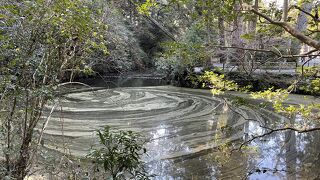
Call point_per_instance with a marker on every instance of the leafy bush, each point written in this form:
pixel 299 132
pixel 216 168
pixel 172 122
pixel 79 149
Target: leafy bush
pixel 312 86
pixel 309 71
pixel 120 154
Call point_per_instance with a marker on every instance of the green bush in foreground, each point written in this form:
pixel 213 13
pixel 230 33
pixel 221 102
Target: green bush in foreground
pixel 120 154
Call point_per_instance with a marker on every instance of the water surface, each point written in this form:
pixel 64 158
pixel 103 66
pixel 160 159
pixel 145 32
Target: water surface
pixel 187 132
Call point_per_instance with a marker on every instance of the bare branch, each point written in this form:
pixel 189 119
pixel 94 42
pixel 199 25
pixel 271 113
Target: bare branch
pixel 44 126
pixel 171 36
pixel 277 130
pixel 308 54
pixel 307 13
pixel 312 32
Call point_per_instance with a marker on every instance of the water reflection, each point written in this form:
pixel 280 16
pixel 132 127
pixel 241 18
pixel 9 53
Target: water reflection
pixel 278 156
pixel 283 155
pixel 190 133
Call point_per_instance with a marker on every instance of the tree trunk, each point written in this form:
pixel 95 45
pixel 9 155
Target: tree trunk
pixel 301 26
pixel 222 41
pixel 253 25
pixel 285 10
pixel 236 36
pixel 297 34
pixel 253 42
pixel 22 163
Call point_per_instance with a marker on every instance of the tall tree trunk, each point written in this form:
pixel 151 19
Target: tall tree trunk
pixel 252 31
pixel 236 36
pixel 253 25
pixel 222 40
pixel 291 152
pixel 22 163
pixel 301 26
pixel 285 10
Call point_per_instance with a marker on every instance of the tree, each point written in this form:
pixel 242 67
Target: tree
pixel 237 30
pixel 307 39
pixel 301 26
pixel 285 10
pixel 43 43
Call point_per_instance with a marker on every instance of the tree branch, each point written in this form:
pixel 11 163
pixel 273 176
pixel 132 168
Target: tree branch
pixel 286 26
pixel 277 130
pixel 307 13
pixel 165 31
pixel 308 54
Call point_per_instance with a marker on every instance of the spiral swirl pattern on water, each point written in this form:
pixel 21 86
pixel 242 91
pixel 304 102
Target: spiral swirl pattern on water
pixel 182 127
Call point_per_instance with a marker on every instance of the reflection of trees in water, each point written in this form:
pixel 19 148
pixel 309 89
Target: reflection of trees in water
pixel 308 155
pixel 295 154
pixel 227 164
pixel 284 154
pixel 291 153
pixel 302 154
pixel 186 128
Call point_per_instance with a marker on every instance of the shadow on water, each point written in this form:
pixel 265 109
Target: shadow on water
pixel 190 133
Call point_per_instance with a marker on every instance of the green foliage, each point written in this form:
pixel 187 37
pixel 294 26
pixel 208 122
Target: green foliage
pixel 312 71
pixel 247 36
pixel 123 45
pixel 188 52
pixel 217 83
pixel 315 85
pixel 185 53
pixel 43 43
pixel 145 8
pixel 311 75
pixel 278 98
pixel 312 86
pixel 275 96
pixel 120 154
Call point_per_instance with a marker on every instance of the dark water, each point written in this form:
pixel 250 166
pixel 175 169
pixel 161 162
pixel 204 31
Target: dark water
pixel 119 81
pixel 189 132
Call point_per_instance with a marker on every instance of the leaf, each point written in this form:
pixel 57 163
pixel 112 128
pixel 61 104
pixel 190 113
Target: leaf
pixel 248 36
pixel 102 139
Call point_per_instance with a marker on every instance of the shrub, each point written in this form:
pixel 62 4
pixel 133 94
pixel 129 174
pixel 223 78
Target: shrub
pixel 120 154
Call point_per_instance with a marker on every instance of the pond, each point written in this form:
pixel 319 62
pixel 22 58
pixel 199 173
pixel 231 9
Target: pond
pixel 188 133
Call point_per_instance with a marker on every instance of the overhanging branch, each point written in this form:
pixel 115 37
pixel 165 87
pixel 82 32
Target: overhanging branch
pixel 156 23
pixel 295 33
pixel 307 13
pixel 277 130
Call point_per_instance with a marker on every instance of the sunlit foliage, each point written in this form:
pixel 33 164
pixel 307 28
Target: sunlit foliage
pixel 217 83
